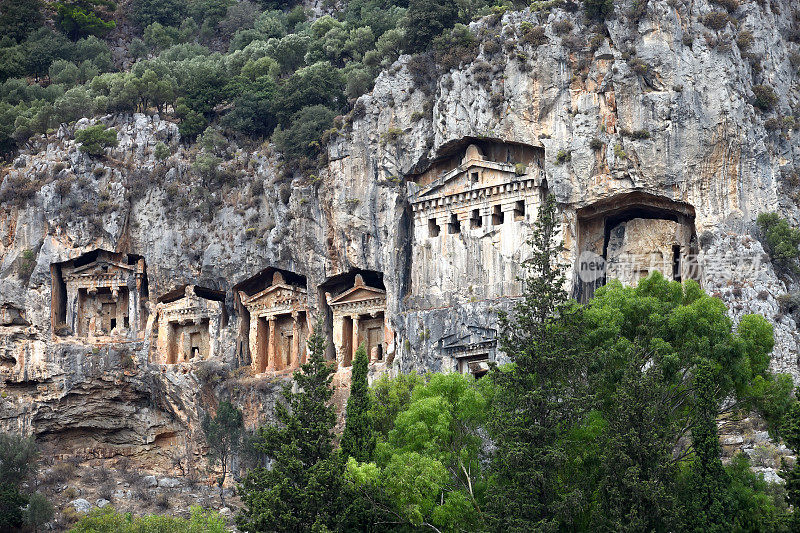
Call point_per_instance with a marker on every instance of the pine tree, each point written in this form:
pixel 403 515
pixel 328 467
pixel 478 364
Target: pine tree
pixel 358 440
pixel 791 474
pixel 224 438
pixel 539 397
pixel 301 491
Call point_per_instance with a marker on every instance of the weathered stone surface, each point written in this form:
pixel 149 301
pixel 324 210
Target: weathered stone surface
pixel 81 505
pixel 683 130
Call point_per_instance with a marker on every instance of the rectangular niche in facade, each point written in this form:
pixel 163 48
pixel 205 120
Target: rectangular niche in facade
pixel 359 317
pixel 100 295
pixel 190 320
pixel 278 325
pixel 483 194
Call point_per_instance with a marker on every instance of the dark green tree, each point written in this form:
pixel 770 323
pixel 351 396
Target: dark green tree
pixel 95 139
pixel 39 511
pixel 224 438
pixel 300 141
pixel 781 241
pixel 358 440
pixel 426 20
pixel 165 12
pixel 18 456
pixel 791 474
pixel 81 18
pixel 709 506
pixel 541 396
pixel 598 9
pixel 302 489
pixel 20 17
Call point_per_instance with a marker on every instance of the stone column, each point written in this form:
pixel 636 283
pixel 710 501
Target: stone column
pixel 354 345
pixel 294 361
pixel 271 346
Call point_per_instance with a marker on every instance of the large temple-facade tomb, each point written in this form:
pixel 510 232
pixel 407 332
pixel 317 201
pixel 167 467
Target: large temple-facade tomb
pixel 100 296
pixel 278 325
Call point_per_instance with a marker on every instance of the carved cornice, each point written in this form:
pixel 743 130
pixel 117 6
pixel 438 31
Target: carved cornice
pixel 473 196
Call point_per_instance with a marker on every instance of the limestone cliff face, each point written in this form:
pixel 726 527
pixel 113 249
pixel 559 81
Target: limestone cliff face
pixel 654 115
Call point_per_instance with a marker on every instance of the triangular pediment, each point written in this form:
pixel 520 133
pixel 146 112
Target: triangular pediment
pixel 102 267
pixel 474 174
pixel 275 292
pixel 357 294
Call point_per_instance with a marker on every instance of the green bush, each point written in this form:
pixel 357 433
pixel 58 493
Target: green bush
pixel 781 240
pixel 95 139
pixel 80 18
pixel 765 97
pixel 563 156
pixel 716 20
pixel 596 144
pixel 165 12
pixel 427 19
pixel 598 9
pixel 301 139
pixel 18 18
pixel 107 520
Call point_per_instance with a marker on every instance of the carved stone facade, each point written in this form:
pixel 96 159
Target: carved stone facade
pixel 279 327
pixel 190 320
pixel 472 213
pixel 471 348
pixel 359 317
pixel 101 296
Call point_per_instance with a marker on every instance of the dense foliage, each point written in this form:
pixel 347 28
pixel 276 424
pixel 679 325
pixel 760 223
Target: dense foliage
pixel 223 434
pixel 107 520
pixel 358 440
pixel 18 464
pixel 251 66
pixel 781 241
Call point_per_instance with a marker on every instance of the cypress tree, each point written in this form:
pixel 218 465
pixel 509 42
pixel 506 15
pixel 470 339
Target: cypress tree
pixel 301 490
pixel 710 505
pixel 541 396
pixel 358 440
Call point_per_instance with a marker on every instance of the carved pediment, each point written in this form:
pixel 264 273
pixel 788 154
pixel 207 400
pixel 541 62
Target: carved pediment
pixel 103 268
pixel 275 295
pixel 358 294
pixel 467 339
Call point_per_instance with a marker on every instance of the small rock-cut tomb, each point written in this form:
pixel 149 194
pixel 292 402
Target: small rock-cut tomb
pixel 190 319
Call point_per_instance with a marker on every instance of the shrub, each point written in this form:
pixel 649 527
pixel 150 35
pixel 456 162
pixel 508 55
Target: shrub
pixel 639 66
pixel 301 138
pixel 427 19
pixel 95 139
pixel 744 39
pixel 563 156
pixel 729 5
pixel 562 26
pixel 780 240
pixel 598 9
pixel 596 144
pixel 39 511
pixel 533 35
pixel 619 152
pixel 716 20
pixel 764 97
pixel 640 134
pixel 82 19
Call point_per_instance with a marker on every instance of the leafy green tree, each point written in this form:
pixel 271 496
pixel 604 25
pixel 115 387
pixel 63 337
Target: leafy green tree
pixel 318 84
pixel 648 345
pixel 709 505
pixel 41 48
pixel 18 457
pixel 301 491
pixel 12 502
pixel 165 12
pixel 161 151
pixel 427 470
pixel 427 19
pixel 39 511
pixel 541 396
pixel 224 438
pixel 79 18
pixel 781 241
pixel 95 139
pixel 18 18
pixel 358 440
pixel 300 142
pixel 791 474
pixel 390 396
